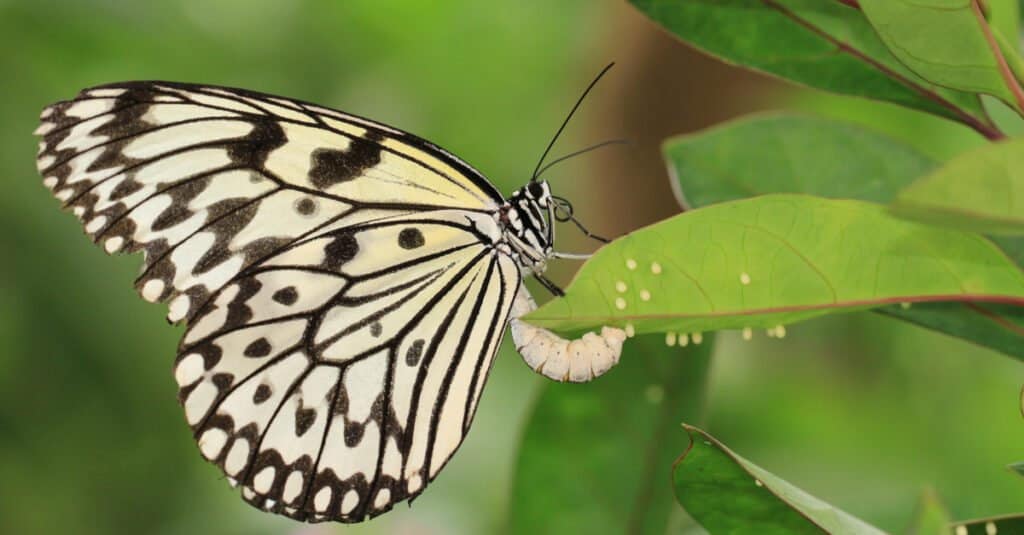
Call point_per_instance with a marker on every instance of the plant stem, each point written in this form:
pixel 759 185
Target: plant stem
pixel 1004 68
pixel 988 130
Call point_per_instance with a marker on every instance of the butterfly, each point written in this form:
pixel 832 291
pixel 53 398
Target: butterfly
pixel 345 285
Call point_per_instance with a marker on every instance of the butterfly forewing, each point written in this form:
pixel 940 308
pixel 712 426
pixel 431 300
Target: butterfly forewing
pixel 340 280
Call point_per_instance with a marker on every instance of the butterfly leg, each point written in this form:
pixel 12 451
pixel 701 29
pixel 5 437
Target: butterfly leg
pixel 549 286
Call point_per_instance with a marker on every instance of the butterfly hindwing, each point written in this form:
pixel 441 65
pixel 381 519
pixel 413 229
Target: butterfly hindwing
pixel 340 280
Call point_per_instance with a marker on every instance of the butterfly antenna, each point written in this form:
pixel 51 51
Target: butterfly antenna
pixel 580 152
pixel 536 170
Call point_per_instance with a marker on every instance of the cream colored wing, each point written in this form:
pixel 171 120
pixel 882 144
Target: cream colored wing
pixel 342 281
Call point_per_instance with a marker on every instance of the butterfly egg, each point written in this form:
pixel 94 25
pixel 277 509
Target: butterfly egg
pixel 630 331
pixel 684 339
pixel 670 339
pixel 990 528
pixel 621 287
pixel 645 295
pixel 905 305
pixel 758 483
pixel 747 333
pixel 697 338
pixel 961 530
pixel 630 264
pixel 655 268
pixel 744 278
pixel 577 360
pixel 620 303
pixel 770 332
pixel 780 331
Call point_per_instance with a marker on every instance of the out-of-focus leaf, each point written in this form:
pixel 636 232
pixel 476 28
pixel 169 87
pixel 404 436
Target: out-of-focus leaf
pixel 776 259
pixel 932 517
pixel 1004 15
pixel 1009 524
pixel 1017 468
pixel 595 457
pixel 785 153
pixel 726 493
pixel 943 41
pixel 999 327
pixel 794 154
pixel 982 190
pixel 822 44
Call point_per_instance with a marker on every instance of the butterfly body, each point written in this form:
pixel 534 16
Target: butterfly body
pixel 344 285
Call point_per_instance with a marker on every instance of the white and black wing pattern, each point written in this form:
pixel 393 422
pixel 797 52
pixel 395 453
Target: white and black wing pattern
pixel 340 279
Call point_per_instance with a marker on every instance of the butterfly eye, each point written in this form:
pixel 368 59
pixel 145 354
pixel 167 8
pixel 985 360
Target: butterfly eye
pixel 536 190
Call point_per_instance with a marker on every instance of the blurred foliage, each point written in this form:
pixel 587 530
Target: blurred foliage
pixel 599 450
pixel 93 440
pixel 858 410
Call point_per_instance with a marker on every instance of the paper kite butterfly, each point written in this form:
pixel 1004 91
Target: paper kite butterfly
pixel 345 285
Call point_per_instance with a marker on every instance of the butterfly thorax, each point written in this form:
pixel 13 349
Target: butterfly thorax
pixel 526 221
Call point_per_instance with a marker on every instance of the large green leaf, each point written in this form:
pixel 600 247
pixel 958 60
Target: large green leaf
pixel 982 190
pixel 943 41
pixel 795 154
pixel 595 457
pixel 776 259
pixel 1005 17
pixel 784 153
pixel 822 44
pixel 726 493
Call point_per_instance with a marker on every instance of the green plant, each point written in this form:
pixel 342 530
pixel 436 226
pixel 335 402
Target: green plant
pixel 791 217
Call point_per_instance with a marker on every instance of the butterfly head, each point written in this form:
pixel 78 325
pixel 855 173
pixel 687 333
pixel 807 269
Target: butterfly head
pixel 527 218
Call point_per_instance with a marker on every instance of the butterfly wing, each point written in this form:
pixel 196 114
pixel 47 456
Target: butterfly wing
pixel 339 279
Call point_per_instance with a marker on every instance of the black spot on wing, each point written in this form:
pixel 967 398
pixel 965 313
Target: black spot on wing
pixel 258 348
pixel 266 136
pixel 329 166
pixel 410 238
pixel 262 394
pixel 342 248
pixel 286 296
pixel 412 356
pixel 304 419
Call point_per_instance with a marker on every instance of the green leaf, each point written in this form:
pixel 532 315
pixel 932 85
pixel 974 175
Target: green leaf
pixel 943 41
pixel 999 327
pixel 932 517
pixel 822 44
pixel 784 153
pixel 776 259
pixel 617 433
pixel 1005 17
pixel 726 493
pixel 1017 468
pixel 1009 524
pixel 981 190
pixel 795 154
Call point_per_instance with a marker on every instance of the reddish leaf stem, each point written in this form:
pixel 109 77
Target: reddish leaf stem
pixel 985 129
pixel 1004 68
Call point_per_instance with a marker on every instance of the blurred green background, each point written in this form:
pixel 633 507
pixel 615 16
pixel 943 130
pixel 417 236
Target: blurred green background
pixel 859 410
